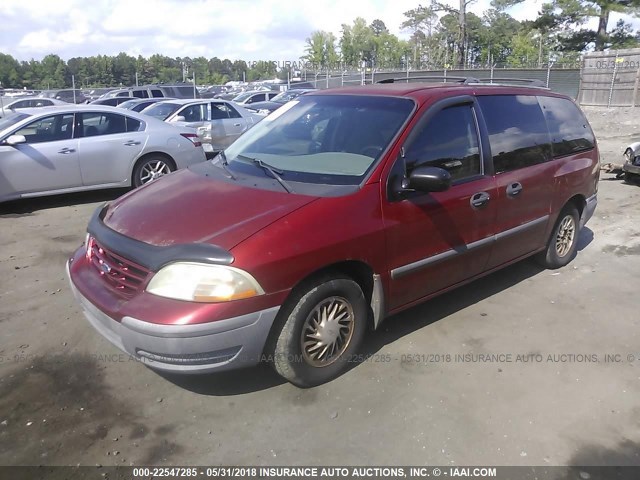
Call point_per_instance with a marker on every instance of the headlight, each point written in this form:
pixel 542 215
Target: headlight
pixel 197 282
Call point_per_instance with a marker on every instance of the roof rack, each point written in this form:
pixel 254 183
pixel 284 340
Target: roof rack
pixel 444 78
pixel 470 80
pixel 532 82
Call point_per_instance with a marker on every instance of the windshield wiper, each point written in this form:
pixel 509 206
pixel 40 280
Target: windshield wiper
pixel 223 164
pixel 275 172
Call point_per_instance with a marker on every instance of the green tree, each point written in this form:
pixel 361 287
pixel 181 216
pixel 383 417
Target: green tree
pixel 421 22
pixel 10 75
pixel 567 19
pixel 321 49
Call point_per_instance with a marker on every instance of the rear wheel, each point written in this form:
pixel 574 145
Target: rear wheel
pixel 318 331
pixel 150 168
pixel 563 243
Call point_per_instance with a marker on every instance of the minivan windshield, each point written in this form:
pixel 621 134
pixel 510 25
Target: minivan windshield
pixel 161 110
pixel 325 139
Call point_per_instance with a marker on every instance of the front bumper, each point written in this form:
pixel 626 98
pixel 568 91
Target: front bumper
pixel 202 348
pixel 590 207
pixel 631 168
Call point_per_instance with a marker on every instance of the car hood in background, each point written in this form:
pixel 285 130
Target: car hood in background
pixel 187 207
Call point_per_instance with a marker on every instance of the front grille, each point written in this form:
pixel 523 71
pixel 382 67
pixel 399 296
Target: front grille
pixel 121 274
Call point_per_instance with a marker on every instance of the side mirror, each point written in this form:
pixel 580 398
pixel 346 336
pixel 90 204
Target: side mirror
pixel 428 179
pixel 15 140
pixel 179 118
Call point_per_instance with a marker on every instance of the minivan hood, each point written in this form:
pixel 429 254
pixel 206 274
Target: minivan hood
pixel 187 207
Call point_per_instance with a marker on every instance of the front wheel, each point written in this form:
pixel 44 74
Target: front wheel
pixel 562 245
pixel 319 331
pixel 151 168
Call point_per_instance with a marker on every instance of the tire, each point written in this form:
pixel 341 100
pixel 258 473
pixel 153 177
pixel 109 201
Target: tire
pixel 631 178
pixel 563 243
pixel 628 154
pixel 314 363
pixel 150 168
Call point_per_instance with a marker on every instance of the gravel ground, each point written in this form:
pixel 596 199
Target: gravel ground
pixel 68 397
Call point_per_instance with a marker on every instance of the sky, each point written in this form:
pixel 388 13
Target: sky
pixel 235 29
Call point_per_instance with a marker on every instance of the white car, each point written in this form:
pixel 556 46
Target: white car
pixel 8 105
pixel 70 148
pixel 218 122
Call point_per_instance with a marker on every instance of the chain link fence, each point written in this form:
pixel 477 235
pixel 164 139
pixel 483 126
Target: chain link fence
pixel 560 78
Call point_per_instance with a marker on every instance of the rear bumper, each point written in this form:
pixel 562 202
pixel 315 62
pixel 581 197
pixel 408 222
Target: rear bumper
pixel 202 348
pixel 590 207
pixel 630 168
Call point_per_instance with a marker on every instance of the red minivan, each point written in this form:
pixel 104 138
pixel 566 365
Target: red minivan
pixel 341 208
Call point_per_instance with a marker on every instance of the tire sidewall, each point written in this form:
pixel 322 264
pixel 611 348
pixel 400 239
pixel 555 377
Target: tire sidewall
pixel 553 260
pixel 287 354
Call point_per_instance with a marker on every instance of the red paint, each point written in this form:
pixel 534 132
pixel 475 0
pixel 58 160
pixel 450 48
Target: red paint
pixel 283 238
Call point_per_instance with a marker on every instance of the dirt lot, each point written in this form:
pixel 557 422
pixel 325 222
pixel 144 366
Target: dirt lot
pixel 68 397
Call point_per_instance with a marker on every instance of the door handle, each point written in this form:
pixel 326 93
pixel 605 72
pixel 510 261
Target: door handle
pixel 131 143
pixel 65 150
pixel 236 124
pixel 479 199
pixel 514 189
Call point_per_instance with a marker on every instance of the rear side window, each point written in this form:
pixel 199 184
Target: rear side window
pixel 450 141
pixel 98 123
pixel 219 111
pixel 133 125
pixel 569 130
pixel 140 93
pixel 233 113
pixel 157 94
pixel 517 131
pixel 194 113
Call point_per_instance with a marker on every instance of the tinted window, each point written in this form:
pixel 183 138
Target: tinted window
pixel 22 104
pixel 233 113
pixel 219 111
pixel 194 113
pixel 450 141
pixel 133 125
pixel 156 94
pixel 141 93
pixel 98 123
pixel 122 94
pixel 517 131
pixel 48 129
pixel 570 132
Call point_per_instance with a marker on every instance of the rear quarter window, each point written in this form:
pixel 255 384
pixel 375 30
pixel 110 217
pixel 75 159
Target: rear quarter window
pixel 568 127
pixel 517 129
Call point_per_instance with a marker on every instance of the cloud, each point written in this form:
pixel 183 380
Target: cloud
pixel 235 29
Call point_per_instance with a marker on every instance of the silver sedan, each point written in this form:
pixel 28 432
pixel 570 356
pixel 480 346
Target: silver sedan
pixel 7 105
pixel 52 150
pixel 218 123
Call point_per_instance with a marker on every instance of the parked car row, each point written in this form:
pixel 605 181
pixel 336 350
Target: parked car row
pixel 26 102
pixel 217 122
pixel 70 148
pixel 67 145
